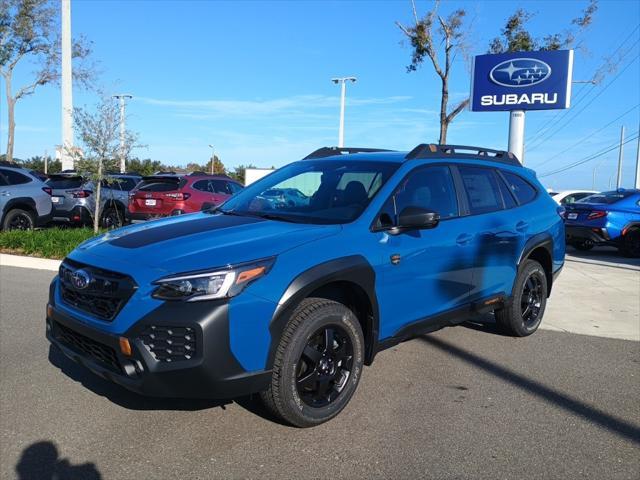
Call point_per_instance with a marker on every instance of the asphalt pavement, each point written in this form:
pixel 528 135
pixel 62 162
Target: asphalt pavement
pixel 463 402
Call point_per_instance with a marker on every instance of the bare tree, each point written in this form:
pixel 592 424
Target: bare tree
pixel 434 37
pixel 30 31
pixel 100 150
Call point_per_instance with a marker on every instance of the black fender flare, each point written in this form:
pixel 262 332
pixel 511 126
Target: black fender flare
pixel 629 226
pixel 26 203
pixel 353 269
pixel 544 240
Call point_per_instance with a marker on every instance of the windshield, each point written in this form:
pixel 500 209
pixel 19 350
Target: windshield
pixel 313 191
pixel 606 197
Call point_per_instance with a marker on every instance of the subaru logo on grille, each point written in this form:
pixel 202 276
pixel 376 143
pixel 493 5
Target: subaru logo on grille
pixel 80 279
pixel 520 72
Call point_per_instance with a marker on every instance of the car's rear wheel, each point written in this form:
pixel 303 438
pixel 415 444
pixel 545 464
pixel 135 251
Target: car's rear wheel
pixel 18 219
pixel 112 218
pixel 631 243
pixel 317 365
pixel 583 245
pixel 524 313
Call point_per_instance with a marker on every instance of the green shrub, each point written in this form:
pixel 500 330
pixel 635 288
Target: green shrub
pixel 47 243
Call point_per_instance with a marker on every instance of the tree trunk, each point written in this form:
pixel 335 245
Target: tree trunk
pixel 443 111
pixel 96 213
pixel 11 121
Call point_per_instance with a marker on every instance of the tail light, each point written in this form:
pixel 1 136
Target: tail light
pixel 80 193
pixel 562 212
pixel 47 190
pixel 596 214
pixel 178 197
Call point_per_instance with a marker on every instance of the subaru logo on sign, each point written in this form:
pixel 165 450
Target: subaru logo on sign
pixel 520 72
pixel 80 279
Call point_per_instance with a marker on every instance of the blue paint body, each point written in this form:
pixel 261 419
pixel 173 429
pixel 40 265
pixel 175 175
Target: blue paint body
pixel 438 271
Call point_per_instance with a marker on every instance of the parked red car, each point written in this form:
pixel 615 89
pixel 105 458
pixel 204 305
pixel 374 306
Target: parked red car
pixel 164 195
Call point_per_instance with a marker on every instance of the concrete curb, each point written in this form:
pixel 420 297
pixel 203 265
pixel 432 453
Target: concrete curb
pixel 7 260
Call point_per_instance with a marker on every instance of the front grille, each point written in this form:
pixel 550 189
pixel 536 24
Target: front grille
pixel 104 295
pixel 169 344
pixel 96 350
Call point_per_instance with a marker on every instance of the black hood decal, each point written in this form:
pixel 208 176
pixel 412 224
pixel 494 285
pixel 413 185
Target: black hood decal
pixel 170 231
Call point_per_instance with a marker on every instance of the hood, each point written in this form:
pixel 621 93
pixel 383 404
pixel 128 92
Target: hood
pixel 199 241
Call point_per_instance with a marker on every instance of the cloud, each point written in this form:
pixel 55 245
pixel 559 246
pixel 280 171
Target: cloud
pixel 285 105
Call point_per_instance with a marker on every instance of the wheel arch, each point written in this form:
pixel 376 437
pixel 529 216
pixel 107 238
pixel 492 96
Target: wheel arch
pixel 24 203
pixel 540 249
pixel 348 280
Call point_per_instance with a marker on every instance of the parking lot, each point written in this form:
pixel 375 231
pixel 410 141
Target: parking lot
pixel 464 402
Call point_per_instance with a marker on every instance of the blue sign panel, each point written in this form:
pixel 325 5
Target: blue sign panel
pixel 522 81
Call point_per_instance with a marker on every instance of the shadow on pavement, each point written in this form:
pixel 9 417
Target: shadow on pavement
pixel 132 401
pixel 40 461
pixel 602 254
pixel 618 426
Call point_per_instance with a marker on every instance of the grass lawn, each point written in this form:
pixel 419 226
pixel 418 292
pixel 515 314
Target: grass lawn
pixel 46 243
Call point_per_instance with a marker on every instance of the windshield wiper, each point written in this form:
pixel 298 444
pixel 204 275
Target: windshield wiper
pixel 274 216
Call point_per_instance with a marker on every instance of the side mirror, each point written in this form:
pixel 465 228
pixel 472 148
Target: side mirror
pixel 416 218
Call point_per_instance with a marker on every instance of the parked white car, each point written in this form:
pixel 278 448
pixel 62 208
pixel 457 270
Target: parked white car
pixel 570 196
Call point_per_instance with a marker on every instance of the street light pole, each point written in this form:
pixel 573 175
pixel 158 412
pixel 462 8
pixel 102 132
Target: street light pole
pixel 343 93
pixel 123 97
pixel 213 157
pixel 66 87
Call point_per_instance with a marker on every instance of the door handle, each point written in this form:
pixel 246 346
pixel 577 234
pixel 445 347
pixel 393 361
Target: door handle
pixel 464 239
pixel 522 226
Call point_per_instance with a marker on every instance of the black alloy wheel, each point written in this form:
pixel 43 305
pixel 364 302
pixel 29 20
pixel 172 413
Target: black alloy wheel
pixel 18 219
pixel 325 366
pixel 531 300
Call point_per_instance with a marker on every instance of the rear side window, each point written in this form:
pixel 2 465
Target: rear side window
pixel 219 186
pixel 160 185
pixel 507 196
pixel 235 188
pixel 15 178
pixel 64 182
pixel 482 189
pixel 522 189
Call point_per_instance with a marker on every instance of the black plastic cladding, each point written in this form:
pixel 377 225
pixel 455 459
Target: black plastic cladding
pixel 354 269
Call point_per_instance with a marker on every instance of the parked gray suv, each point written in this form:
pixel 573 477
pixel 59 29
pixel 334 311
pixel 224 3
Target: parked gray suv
pixel 74 197
pixel 25 200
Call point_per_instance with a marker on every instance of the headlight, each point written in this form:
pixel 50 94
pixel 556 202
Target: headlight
pixel 216 283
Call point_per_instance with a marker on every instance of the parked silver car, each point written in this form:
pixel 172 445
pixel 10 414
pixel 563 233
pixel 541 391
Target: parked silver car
pixel 25 201
pixel 74 198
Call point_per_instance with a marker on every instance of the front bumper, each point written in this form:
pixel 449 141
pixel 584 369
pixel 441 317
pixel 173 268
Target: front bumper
pixel 210 371
pixel 575 233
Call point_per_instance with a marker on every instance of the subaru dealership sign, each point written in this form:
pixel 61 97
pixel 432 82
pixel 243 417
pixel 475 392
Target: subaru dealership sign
pixel 522 81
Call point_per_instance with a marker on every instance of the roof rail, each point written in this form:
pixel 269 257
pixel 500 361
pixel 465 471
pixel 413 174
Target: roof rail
pixel 433 150
pixel 331 151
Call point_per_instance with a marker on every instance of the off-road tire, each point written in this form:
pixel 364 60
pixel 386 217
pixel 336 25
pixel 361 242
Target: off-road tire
pixel 510 319
pixel 631 243
pixel 282 397
pixel 24 217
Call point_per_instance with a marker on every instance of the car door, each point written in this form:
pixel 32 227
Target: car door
pixel 499 228
pixel 423 272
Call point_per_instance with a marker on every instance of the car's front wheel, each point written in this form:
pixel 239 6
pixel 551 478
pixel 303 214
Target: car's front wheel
pixel 18 219
pixel 523 315
pixel 317 365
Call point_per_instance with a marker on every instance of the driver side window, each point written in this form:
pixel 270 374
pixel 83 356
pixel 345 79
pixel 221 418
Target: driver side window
pixel 431 188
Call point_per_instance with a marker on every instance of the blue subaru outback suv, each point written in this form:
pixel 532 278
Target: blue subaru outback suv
pixel 292 300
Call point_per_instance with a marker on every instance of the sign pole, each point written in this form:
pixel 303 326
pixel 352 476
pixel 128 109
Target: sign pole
pixel 516 134
pixel 620 157
pixel 637 182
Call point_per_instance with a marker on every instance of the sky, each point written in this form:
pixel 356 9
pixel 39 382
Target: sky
pixel 253 80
